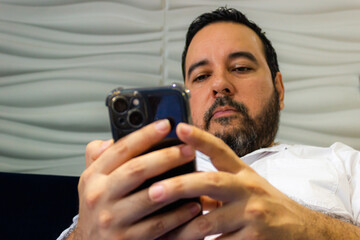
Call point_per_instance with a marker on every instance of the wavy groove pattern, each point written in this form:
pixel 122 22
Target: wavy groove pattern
pixel 59 59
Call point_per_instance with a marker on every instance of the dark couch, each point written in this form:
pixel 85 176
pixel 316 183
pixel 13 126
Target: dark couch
pixel 36 206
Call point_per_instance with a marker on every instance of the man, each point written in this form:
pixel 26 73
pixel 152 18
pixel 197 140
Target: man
pixel 237 92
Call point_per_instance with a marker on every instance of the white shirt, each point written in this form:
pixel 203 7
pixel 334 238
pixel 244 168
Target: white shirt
pixel 323 179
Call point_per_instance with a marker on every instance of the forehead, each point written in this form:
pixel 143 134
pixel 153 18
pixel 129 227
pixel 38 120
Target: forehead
pixel 222 38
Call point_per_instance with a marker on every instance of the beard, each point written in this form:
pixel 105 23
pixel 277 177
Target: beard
pixel 249 134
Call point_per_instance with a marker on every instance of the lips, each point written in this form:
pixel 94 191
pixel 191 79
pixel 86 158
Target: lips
pixel 223 112
pixel 224 106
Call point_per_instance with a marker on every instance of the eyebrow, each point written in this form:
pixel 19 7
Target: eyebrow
pixel 196 65
pixel 247 55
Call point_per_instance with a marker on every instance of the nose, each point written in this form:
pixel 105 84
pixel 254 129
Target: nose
pixel 222 86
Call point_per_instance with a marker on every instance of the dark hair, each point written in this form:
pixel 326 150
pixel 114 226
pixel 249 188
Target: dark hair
pixel 224 14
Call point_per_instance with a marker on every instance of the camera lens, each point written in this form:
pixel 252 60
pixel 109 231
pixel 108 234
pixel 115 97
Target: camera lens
pixel 136 118
pixel 121 105
pixel 121 122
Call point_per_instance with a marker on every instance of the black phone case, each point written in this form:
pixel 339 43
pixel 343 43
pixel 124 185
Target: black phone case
pixel 155 103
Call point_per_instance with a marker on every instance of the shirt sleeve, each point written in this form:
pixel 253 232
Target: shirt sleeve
pixel 351 160
pixel 355 185
pixel 65 234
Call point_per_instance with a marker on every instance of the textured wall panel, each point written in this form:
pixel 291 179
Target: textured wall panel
pixel 60 58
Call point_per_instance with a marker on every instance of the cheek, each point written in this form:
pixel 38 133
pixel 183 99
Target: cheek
pixel 257 98
pixel 198 108
pixel 196 112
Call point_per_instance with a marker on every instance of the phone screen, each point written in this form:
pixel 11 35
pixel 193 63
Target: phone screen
pixel 166 106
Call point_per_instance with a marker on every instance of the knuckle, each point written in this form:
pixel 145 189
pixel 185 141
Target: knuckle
pixel 85 178
pixel 91 148
pixel 168 152
pixel 135 168
pixel 256 214
pixel 214 180
pixel 177 185
pixel 121 147
pixel 256 188
pixel 92 198
pixel 256 211
pixel 91 145
pixel 222 147
pixel 158 227
pixel 105 219
pixel 205 226
pixel 171 153
pixel 93 194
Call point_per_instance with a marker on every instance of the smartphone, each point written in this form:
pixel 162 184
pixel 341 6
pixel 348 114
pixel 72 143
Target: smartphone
pixel 132 109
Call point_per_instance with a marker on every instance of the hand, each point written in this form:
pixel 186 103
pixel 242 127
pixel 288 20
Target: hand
pixel 107 209
pixel 251 207
pixel 94 150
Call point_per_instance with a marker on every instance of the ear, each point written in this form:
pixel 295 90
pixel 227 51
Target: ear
pixel 278 83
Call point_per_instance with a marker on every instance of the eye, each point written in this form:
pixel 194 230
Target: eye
pixel 201 78
pixel 241 69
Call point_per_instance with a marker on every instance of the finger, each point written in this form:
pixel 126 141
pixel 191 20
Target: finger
pixel 221 186
pixel 135 207
pixel 147 166
pixel 132 145
pixel 223 158
pixel 209 204
pixel 94 149
pixel 161 224
pixel 226 219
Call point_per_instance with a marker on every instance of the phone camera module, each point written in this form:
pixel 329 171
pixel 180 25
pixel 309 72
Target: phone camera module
pixel 136 102
pixel 121 122
pixel 136 118
pixel 121 105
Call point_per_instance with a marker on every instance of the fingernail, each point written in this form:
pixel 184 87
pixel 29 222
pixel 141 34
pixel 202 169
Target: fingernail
pixel 194 208
pixel 162 125
pixel 185 129
pixel 156 192
pixel 105 145
pixel 187 151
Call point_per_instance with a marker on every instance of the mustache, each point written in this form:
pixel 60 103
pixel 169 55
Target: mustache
pixel 224 101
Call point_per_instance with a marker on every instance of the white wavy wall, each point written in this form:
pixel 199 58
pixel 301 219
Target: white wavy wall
pixel 60 58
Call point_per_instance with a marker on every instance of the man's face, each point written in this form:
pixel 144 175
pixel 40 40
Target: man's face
pixel 232 92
